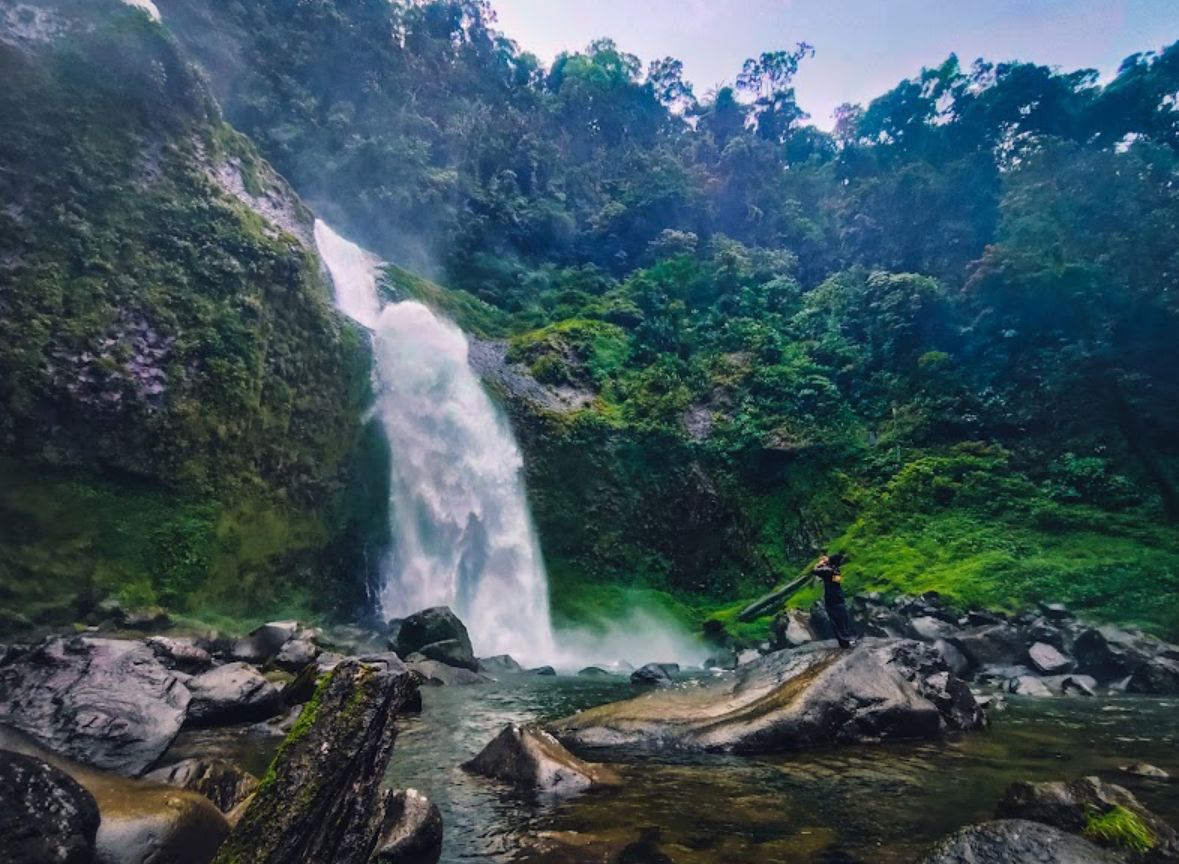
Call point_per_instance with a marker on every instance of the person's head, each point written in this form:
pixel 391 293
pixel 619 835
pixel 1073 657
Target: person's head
pixel 836 558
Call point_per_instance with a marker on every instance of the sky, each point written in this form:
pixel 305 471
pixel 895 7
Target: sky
pixel 862 47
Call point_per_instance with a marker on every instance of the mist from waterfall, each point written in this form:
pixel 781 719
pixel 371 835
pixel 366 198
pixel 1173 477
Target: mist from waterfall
pixel 463 536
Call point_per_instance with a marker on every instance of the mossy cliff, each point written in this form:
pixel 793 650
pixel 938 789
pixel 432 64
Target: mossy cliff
pixel 180 406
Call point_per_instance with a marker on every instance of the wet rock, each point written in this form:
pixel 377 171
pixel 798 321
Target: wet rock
pixel 954 659
pixel 180 653
pixel 1072 806
pixel 812 696
pixel 593 672
pixel 998 676
pixel 452 652
pixel 412 832
pixel 501 663
pixel 531 759
pixel 791 629
pixel 247 651
pixel 1008 841
pixel 105 702
pixel 233 693
pixel 139 822
pixel 435 674
pixel 324 800
pixel 1048 659
pixel 543 670
pixel 1028 685
pixel 429 627
pixel 1055 611
pixel 651 675
pixel 296 654
pixel 926 628
pixel 1145 769
pixel 224 784
pixel 270 637
pixel 1155 675
pixel 996 645
pixel 45 816
pixel 726 658
pixel 1106 653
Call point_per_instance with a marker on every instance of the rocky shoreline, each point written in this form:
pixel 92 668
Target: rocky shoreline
pixel 87 720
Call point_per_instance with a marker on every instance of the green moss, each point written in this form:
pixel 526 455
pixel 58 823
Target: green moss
pixel 1119 827
pixel 469 312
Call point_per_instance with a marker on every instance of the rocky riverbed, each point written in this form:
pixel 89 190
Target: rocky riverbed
pixel 279 745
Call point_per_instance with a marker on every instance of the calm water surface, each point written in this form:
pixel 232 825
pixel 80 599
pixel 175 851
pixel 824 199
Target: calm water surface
pixel 863 804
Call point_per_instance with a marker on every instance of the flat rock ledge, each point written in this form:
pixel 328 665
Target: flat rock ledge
pixel 817 695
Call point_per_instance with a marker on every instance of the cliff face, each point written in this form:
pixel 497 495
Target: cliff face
pixel 179 402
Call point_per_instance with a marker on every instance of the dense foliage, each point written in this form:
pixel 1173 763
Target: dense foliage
pixel 940 336
pixel 179 406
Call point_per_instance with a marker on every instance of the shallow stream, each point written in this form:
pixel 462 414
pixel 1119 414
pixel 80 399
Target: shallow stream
pixel 882 803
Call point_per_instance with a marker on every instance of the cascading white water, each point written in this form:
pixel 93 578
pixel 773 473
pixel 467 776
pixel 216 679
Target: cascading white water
pixel 463 536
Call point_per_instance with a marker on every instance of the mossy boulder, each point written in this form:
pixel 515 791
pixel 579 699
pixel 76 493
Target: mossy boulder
pixel 322 798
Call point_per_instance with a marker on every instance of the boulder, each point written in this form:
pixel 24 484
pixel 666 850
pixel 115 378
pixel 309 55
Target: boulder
pixel 998 676
pixel 651 675
pixel 543 670
pixel 105 702
pixel 1048 659
pixel 324 799
pixel 1028 685
pixel 791 629
pixel 180 653
pixel 1074 806
pixel 1106 653
pixel 1145 769
pixel 820 622
pixel 46 817
pixel 139 822
pixel 1071 685
pixel 531 759
pixel 816 695
pixel 223 783
pixel 270 637
pixel 452 652
pixel 994 645
pixel 1016 841
pixel 926 628
pixel 1156 676
pixel 149 619
pixel 1055 611
pixel 435 674
pixel 499 664
pixel 724 658
pixel 233 693
pixel 594 672
pixel 431 626
pixel 296 654
pixel 954 659
pixel 413 830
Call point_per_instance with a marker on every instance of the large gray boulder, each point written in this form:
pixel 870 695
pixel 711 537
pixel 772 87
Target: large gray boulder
pixel 1016 841
pixel 531 759
pixel 435 674
pixel 105 702
pixel 45 816
pixel 323 799
pixel 816 695
pixel 1155 676
pixel 427 628
pixel 651 675
pixel 994 645
pixel 1049 659
pixel 233 693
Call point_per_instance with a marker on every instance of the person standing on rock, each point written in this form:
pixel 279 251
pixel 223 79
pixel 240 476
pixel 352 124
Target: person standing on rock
pixel 827 569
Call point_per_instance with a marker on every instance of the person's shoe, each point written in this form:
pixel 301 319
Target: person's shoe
pixel 843 643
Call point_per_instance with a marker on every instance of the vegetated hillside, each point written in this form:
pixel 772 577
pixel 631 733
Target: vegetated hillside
pixel 179 404
pixel 941 336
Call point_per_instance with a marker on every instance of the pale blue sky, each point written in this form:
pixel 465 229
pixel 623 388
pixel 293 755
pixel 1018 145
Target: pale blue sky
pixel 863 47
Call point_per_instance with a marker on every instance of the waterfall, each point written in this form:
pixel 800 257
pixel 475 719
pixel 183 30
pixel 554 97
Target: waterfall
pixel 462 532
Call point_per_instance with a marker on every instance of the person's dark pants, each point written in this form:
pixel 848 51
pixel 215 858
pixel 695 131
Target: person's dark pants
pixel 840 621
